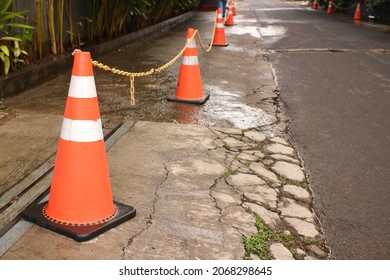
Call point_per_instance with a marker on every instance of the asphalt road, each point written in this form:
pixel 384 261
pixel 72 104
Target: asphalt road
pixel 334 82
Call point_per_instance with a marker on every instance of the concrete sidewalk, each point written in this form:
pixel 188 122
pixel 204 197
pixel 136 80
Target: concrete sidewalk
pixel 198 188
pixel 195 190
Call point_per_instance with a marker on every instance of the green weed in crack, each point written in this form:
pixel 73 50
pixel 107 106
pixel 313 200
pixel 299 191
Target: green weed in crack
pixel 285 181
pixel 259 244
pixel 229 171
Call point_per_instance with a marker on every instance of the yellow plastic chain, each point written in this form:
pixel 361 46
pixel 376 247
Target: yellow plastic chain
pixel 152 70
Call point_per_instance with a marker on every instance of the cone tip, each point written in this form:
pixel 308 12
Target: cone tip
pixel 190 32
pixel 82 65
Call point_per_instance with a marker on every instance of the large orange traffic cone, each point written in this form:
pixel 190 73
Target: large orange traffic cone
pixel 219 39
pixel 189 87
pixel 230 18
pixel 358 15
pixel 330 8
pixel 315 5
pixel 80 203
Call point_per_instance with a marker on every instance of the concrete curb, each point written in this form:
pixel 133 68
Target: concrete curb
pixel 34 75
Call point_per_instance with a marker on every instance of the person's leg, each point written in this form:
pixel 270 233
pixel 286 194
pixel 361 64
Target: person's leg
pixel 222 6
pixel 224 3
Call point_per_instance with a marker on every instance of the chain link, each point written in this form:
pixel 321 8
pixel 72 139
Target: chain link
pixel 132 90
pixel 76 51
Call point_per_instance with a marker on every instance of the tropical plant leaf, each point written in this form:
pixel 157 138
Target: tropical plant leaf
pixel 7 65
pixel 20 25
pixel 9 38
pixel 4 49
pixel 4 5
pixel 12 15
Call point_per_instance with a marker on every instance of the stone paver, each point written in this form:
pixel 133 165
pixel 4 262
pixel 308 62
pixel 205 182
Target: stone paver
pixel 255 136
pixel 289 171
pixel 302 227
pixel 280 252
pixel 271 219
pixel 259 169
pixel 245 179
pixel 290 208
pixel 297 193
pixel 284 158
pixel 279 140
pixel 280 149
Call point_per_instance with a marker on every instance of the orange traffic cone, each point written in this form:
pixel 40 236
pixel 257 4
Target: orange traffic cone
pixel 233 8
pixel 315 5
pixel 358 15
pixel 230 18
pixel 330 9
pixel 189 87
pixel 219 39
pixel 80 203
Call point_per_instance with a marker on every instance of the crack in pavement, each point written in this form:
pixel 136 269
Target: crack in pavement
pixel 327 50
pixel 149 219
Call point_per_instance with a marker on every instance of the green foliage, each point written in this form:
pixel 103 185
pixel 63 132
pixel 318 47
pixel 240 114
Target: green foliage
pixel 229 171
pixel 259 244
pixel 183 6
pixel 114 17
pixel 97 20
pixel 11 51
pixel 139 13
pixel 380 9
pixel 352 3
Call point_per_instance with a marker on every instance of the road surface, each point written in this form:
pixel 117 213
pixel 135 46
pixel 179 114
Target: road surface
pixel 334 80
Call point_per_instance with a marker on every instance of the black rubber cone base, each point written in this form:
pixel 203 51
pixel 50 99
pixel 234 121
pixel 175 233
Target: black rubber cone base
pixel 221 45
pixel 79 233
pixel 195 101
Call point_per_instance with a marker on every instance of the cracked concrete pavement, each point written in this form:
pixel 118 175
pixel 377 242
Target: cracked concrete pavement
pixel 196 191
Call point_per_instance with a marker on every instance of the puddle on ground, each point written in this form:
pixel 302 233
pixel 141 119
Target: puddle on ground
pixel 272 30
pixel 222 109
pixel 241 30
pixel 272 33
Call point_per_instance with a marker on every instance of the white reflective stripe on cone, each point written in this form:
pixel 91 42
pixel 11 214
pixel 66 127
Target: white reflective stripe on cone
pixel 190 60
pixel 82 87
pixel 219 25
pixel 82 130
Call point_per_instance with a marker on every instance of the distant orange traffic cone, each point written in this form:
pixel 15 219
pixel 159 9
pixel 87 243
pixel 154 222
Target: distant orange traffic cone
pixel 189 87
pixel 219 39
pixel 358 15
pixel 330 8
pixel 230 18
pixel 315 5
pixel 233 8
pixel 80 203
